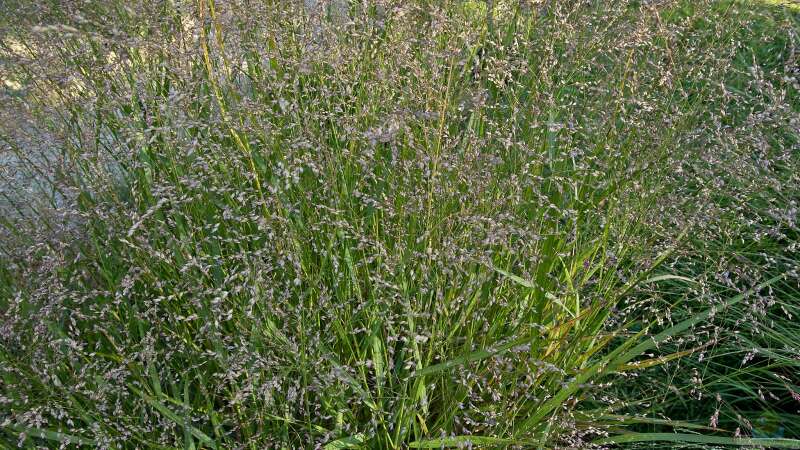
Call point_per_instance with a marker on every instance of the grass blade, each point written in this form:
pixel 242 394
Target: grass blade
pixel 168 413
pixel 354 441
pixel 701 439
pixel 55 436
pixel 460 441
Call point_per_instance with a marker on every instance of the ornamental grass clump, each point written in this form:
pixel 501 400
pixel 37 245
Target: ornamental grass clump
pixel 413 225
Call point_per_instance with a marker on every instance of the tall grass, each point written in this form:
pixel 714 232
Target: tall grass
pixel 746 379
pixel 262 229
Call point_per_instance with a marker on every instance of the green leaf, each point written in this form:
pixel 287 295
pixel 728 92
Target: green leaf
pixel 477 355
pixel 660 259
pixel 627 420
pixel 168 413
pixel 353 383
pixel 463 440
pixel 532 285
pixel 354 441
pixel 667 277
pixel 701 439
pixel 55 436
pixel 643 364
pixel 516 279
pixel 378 356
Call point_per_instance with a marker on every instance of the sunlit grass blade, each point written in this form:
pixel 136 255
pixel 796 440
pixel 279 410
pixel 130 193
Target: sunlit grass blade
pixel 461 441
pixel 355 441
pixel 55 436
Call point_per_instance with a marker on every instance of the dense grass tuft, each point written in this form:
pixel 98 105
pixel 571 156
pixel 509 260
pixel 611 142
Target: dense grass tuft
pixel 400 224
